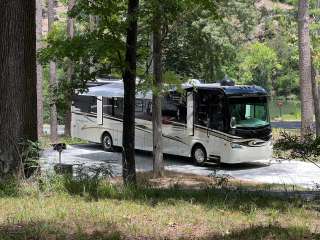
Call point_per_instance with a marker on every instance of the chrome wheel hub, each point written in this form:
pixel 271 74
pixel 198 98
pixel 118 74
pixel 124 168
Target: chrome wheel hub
pixel 107 142
pixel 199 156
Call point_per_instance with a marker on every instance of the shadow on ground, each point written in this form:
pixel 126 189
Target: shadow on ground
pixel 210 197
pixel 106 231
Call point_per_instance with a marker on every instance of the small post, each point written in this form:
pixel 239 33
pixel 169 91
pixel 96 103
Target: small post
pixel 62 168
pixel 280 105
pixel 60 157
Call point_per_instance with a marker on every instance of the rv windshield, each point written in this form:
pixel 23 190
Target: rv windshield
pixel 251 112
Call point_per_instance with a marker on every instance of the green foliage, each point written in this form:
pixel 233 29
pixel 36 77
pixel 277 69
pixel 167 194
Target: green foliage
pixel 53 95
pixel 208 32
pixel 274 57
pixel 88 180
pixel 9 187
pixel 306 149
pixel 51 183
pixel 154 213
pixel 315 32
pixel 201 39
pixel 290 111
pixel 204 44
pixel 29 154
pixel 258 64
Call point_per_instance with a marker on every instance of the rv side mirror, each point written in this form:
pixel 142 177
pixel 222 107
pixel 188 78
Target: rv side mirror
pixel 233 123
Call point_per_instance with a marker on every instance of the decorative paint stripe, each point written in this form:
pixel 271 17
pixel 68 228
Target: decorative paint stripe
pixel 85 114
pixel 217 134
pixel 176 138
pixel 251 142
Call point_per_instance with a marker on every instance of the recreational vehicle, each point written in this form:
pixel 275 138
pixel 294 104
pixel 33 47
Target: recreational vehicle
pixel 205 122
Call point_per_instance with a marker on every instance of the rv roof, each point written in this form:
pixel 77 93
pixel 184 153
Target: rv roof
pixel 115 89
pixel 232 90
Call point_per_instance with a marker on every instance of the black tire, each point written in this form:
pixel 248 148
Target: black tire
pixel 199 155
pixel 106 142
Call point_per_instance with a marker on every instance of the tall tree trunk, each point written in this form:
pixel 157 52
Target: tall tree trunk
pixel 305 69
pixel 39 68
pixel 158 167
pixel 18 81
pixel 316 98
pixel 53 80
pixel 315 85
pixel 70 72
pixel 129 79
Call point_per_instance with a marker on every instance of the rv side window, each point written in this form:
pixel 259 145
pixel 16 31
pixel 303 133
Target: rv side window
pixel 85 104
pixel 210 110
pixel 139 106
pixel 108 107
pixel 143 109
pixel 118 107
pixel 202 109
pixel 174 108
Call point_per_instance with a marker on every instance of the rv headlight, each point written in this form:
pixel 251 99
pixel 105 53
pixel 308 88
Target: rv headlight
pixel 235 145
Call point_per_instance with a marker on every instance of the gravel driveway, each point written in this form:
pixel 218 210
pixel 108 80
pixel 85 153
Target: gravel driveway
pixel 285 172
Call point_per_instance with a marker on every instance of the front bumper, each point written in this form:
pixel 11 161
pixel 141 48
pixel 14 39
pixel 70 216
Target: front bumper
pixel 243 154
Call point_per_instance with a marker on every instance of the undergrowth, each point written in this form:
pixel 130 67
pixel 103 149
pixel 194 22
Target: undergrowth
pixel 90 206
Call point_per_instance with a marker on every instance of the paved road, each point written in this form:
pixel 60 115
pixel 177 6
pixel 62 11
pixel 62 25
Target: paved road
pixel 285 172
pixel 287 125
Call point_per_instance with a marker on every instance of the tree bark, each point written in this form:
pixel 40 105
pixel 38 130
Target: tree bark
pixel 305 69
pixel 315 86
pixel 39 68
pixel 18 82
pixel 53 80
pixel 158 167
pixel 129 79
pixel 316 98
pixel 70 72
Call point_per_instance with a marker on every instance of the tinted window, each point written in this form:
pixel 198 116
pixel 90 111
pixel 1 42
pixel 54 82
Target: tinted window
pixel 85 104
pixel 210 110
pixel 143 109
pixel 118 107
pixel 174 108
pixel 249 112
pixel 108 107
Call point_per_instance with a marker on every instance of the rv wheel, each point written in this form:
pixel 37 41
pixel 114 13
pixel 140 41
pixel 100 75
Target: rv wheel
pixel 107 142
pixel 199 155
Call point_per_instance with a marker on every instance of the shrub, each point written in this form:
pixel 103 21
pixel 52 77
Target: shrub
pixel 306 149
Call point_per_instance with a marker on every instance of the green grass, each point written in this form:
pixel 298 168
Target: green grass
pixel 54 210
pixel 291 111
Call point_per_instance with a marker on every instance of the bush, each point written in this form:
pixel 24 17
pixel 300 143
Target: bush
pixel 305 149
pixel 9 187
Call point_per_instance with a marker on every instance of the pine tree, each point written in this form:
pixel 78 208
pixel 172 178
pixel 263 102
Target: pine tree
pixel 53 79
pixel 305 69
pixel 18 82
pixel 129 79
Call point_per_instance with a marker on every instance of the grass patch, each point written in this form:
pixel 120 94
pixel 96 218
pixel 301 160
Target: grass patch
pixel 291 110
pixel 62 208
